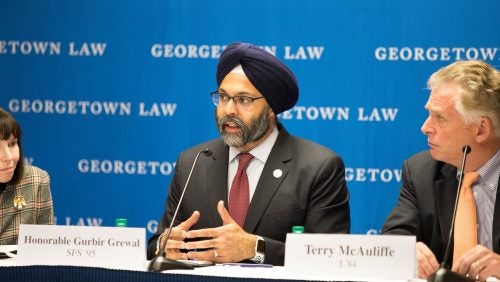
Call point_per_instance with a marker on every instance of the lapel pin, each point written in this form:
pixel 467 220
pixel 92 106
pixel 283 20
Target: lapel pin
pixel 19 202
pixel 277 173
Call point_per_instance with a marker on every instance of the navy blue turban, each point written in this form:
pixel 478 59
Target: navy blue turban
pixel 270 76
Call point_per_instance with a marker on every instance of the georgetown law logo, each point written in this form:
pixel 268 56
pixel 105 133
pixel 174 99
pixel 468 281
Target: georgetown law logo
pixel 332 113
pixel 94 108
pixel 406 53
pixel 206 51
pixel 52 48
pixel 151 225
pixel 80 221
pixel 125 167
pixel 372 174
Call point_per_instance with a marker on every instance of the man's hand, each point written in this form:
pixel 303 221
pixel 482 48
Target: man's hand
pixel 176 240
pixel 479 263
pixel 229 243
pixel 426 260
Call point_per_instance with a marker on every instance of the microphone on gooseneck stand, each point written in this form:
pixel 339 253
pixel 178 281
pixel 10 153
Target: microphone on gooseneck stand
pixel 444 274
pixel 160 262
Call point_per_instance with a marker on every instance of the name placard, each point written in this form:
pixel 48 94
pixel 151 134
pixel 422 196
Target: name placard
pixel 351 257
pixel 109 247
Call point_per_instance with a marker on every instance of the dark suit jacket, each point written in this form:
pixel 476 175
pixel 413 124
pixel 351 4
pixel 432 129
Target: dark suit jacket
pixel 426 202
pixel 311 192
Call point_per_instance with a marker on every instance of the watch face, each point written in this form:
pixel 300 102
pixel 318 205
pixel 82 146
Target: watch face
pixel 260 251
pixel 259 258
pixel 261 246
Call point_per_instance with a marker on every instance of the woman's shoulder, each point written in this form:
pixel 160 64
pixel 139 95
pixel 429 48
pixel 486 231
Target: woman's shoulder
pixel 34 173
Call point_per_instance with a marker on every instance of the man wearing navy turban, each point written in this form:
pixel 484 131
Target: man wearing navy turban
pixel 291 181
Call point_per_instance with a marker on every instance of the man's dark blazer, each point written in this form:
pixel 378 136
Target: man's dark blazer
pixel 426 202
pixel 311 192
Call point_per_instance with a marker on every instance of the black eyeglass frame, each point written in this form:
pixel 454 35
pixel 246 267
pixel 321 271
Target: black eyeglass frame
pixel 216 100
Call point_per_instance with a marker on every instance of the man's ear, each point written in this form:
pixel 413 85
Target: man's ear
pixel 484 130
pixel 271 113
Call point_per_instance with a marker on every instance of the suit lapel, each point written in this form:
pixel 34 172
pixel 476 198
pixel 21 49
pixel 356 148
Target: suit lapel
pixel 268 184
pixel 217 180
pixel 496 222
pixel 446 191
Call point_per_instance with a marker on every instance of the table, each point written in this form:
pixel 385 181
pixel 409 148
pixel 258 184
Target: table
pixel 95 274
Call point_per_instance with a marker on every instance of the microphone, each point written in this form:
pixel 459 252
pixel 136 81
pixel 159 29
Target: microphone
pixel 444 274
pixel 160 262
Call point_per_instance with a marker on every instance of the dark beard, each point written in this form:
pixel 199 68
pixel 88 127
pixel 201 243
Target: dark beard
pixel 258 128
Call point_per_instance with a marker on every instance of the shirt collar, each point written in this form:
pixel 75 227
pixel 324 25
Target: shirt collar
pixel 262 151
pixel 488 172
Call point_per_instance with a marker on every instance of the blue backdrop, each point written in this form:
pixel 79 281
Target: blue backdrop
pixel 109 92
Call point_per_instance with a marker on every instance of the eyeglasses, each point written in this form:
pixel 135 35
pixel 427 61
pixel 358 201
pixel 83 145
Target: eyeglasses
pixel 243 102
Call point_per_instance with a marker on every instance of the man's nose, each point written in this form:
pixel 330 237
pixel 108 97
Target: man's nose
pixel 426 128
pixel 230 107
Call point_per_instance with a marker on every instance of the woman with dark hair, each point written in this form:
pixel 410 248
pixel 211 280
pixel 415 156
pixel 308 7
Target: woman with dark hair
pixel 24 190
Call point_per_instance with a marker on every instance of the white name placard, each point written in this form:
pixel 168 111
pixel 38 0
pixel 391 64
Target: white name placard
pixel 351 257
pixel 109 247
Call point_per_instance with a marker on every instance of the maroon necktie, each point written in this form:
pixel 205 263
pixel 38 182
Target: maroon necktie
pixel 239 196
